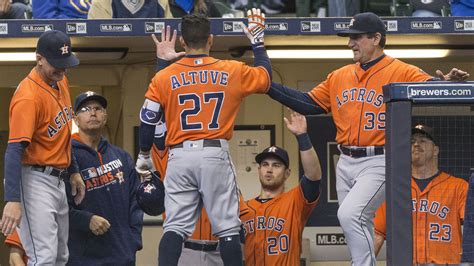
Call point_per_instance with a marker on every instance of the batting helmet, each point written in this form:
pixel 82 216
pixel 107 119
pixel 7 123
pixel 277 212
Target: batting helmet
pixel 151 195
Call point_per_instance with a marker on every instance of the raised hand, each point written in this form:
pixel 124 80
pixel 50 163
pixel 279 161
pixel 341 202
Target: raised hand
pixel 296 123
pixel 165 49
pixel 256 26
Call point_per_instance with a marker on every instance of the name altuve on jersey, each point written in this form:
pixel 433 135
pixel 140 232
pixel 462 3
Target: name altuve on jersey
pixel 199 77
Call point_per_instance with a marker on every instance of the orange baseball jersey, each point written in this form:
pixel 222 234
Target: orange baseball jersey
pixel 192 114
pixel 273 229
pixel 203 230
pixel 42 116
pixel 160 159
pixel 14 240
pixel 437 214
pixel 355 98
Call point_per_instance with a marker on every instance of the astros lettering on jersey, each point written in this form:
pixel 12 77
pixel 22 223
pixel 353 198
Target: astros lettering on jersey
pixel 48 131
pixel 273 229
pixel 362 122
pixel 437 214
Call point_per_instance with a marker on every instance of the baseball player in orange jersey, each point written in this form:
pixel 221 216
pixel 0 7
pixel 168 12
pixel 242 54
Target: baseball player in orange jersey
pixel 353 94
pixel 206 93
pixel 438 205
pixel 276 219
pixel 201 248
pixel 17 255
pixel 38 153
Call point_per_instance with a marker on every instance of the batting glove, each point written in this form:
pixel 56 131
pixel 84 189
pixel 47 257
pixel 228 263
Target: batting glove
pixel 256 27
pixel 144 165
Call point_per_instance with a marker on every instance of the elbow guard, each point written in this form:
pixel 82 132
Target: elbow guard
pixel 150 113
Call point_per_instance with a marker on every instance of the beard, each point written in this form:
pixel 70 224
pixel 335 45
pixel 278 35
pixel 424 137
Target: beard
pixel 272 185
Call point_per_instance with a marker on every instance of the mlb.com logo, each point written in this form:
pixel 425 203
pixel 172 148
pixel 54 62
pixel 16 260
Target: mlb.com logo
pixel 232 26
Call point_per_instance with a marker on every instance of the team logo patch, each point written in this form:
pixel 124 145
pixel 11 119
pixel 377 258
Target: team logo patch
pixel 426 25
pixel 76 28
pixel 115 27
pixel 276 26
pixel 341 25
pixel 3 28
pixel 149 188
pixel 232 26
pixel 64 49
pixel 154 27
pixel 310 26
pixel 119 176
pixel 36 27
pixel 463 25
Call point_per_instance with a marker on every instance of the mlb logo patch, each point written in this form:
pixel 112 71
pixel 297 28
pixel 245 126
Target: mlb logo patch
pixel 89 173
pixel 198 61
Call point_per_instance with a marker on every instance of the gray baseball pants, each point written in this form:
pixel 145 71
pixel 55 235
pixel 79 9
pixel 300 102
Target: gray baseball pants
pixel 360 184
pixel 44 226
pixel 200 176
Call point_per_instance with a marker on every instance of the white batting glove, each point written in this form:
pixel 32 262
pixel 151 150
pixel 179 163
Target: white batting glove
pixel 144 165
pixel 256 27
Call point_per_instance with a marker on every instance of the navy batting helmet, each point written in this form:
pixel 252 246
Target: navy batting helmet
pixel 151 195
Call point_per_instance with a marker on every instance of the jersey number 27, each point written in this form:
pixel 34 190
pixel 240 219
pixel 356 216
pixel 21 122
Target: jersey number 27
pixel 195 109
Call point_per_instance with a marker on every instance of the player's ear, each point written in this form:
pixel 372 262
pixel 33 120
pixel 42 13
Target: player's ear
pixel 377 38
pixel 210 40
pixel 38 59
pixel 436 150
pixel 182 42
pixel 287 173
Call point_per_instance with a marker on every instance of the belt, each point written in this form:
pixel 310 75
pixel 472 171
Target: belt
pixel 362 151
pixel 49 170
pixel 206 143
pixel 201 246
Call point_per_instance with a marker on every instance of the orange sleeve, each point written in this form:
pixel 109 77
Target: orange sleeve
pixel 153 89
pixel 320 93
pixel 254 79
pixel 23 120
pixel 303 204
pixel 416 74
pixel 380 222
pixel 13 240
pixel 462 195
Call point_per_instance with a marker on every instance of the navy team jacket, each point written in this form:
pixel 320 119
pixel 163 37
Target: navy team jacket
pixel 111 181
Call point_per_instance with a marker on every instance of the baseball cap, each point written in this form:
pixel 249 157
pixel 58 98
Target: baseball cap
pixel 424 130
pixel 89 96
pixel 275 152
pixel 366 22
pixel 55 46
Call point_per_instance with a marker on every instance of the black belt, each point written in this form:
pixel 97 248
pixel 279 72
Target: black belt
pixel 201 246
pixel 206 143
pixel 361 151
pixel 60 173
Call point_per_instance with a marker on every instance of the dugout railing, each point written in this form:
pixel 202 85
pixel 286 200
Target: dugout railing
pixel 399 99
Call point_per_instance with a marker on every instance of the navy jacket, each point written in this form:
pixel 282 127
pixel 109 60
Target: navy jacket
pixel 111 182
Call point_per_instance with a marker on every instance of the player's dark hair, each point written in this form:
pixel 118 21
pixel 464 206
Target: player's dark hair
pixel 383 38
pixel 195 29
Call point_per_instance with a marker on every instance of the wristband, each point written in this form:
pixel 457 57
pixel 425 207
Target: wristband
pixel 304 142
